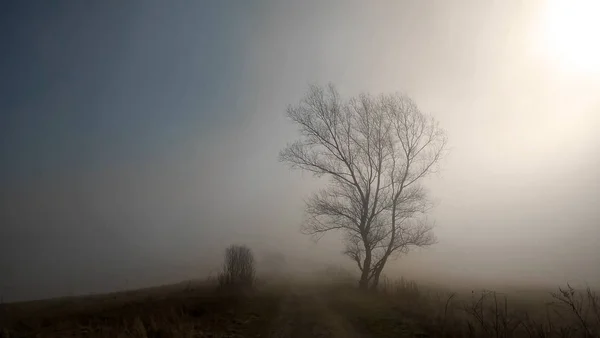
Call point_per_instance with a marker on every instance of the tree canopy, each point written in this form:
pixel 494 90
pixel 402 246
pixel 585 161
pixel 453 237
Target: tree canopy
pixel 376 152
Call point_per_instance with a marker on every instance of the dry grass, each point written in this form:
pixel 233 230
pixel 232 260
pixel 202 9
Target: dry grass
pixel 215 308
pixel 403 309
pixel 184 312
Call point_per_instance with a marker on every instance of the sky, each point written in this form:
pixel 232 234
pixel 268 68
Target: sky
pixel 138 139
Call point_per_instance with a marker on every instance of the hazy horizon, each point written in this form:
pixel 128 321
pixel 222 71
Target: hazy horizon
pixel 139 139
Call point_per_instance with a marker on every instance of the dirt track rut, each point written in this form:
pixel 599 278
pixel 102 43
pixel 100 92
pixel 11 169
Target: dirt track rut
pixel 305 314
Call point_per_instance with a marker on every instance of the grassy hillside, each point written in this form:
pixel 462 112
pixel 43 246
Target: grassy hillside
pixel 334 308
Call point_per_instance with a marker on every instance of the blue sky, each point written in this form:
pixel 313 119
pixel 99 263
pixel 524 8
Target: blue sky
pixel 89 82
pixel 104 106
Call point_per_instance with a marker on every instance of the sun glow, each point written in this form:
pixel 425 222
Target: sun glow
pixel 571 33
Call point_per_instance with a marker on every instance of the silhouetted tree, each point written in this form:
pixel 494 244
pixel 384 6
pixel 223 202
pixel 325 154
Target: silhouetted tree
pixel 238 267
pixel 375 150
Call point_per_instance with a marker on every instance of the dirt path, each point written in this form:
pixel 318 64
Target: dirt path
pixel 305 314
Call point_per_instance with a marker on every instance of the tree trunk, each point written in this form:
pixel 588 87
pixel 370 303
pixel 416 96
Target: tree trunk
pixel 363 284
pixel 381 264
pixel 375 280
pixel 377 275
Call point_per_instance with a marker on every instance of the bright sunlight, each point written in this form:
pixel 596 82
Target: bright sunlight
pixel 571 31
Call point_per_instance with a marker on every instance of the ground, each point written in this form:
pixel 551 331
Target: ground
pixel 296 310
pixel 307 313
pixel 278 311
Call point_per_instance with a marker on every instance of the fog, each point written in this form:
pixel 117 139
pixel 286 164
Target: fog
pixel 138 140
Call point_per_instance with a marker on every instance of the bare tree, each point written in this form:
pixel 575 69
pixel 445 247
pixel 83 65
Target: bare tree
pixel 376 151
pixel 238 268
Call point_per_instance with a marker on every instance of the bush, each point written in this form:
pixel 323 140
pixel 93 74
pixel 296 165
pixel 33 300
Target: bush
pixel 572 314
pixel 566 313
pixel 238 268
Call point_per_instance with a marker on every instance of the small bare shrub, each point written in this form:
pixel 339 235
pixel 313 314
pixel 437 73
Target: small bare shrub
pixel 238 268
pixel 573 314
pixel 584 307
pixel 490 316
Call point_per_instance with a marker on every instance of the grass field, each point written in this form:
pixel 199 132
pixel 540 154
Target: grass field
pixel 194 310
pixel 293 309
